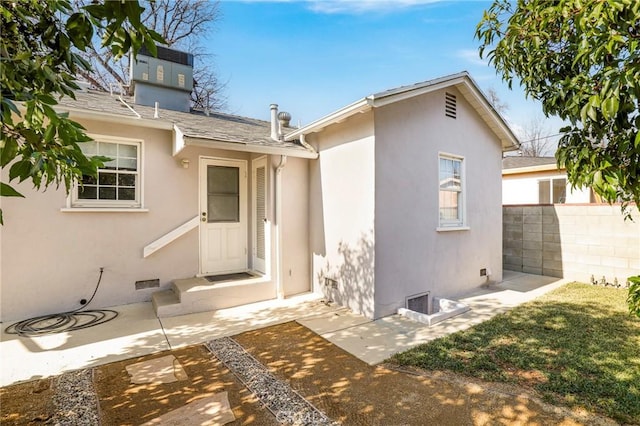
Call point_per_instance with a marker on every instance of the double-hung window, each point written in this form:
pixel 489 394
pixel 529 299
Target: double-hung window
pixel 119 180
pixel 451 191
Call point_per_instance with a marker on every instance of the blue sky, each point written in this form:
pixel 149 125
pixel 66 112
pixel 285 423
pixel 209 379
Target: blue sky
pixel 314 57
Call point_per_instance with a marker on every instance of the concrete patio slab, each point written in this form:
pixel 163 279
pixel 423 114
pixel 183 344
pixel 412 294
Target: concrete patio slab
pixel 200 327
pixel 337 320
pixel 137 331
pixel 375 341
pixel 134 332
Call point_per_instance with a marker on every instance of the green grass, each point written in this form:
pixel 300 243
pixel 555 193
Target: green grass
pixel 577 346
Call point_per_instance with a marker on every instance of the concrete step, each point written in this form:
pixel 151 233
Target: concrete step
pixel 191 295
pixel 166 303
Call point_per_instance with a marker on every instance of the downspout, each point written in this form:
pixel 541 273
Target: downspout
pixel 279 262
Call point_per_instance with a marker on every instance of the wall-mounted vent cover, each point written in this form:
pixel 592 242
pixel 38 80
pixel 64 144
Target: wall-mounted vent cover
pixel 418 303
pixel 450 105
pixel 141 285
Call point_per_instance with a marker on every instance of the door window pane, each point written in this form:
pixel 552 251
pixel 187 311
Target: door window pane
pixel 223 208
pixel 223 194
pixel 222 180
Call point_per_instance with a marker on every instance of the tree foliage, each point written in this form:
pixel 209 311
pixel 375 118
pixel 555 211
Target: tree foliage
pixel 581 60
pixel 39 65
pixel 183 24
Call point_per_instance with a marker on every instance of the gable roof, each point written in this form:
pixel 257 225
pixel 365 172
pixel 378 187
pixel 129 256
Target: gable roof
pixel 518 164
pixel 462 81
pixel 216 130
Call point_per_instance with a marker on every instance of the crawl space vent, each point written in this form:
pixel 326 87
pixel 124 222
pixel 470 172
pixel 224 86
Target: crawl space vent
pixel 418 303
pixel 450 105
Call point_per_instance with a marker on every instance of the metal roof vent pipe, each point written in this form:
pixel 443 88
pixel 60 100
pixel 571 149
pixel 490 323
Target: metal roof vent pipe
pixel 284 118
pixel 275 134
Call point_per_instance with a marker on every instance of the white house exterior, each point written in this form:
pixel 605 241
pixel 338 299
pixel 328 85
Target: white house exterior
pixel 537 180
pixel 405 196
pixel 54 245
pixel 396 195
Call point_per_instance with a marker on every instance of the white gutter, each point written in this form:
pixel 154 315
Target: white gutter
pixel 245 147
pixel 532 169
pixel 279 266
pixel 362 105
pixel 115 118
pixel 178 142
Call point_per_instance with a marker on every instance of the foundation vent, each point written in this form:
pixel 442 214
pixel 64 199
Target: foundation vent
pixel 450 105
pixel 418 303
pixel 141 285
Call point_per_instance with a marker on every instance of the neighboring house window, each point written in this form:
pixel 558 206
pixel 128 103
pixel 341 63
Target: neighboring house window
pixel 552 191
pixel 118 183
pixel 451 187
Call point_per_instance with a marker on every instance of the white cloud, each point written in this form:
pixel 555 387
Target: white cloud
pixel 352 6
pixel 471 56
pixel 360 6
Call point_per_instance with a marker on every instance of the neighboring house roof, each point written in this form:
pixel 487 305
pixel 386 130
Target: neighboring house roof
pixel 462 81
pixel 513 165
pixel 216 130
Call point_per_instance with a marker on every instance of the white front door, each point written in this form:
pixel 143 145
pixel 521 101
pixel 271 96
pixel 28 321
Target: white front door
pixel 260 236
pixel 223 216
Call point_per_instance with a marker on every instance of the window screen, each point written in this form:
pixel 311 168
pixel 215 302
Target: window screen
pixel 450 191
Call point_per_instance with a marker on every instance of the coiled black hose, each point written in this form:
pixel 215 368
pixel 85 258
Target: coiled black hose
pixel 66 321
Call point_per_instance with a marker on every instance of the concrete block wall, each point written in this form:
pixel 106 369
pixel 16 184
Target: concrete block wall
pixel 571 241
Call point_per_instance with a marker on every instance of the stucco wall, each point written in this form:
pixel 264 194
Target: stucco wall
pixel 574 242
pixel 342 213
pixel 295 227
pixel 51 259
pixel 523 188
pixel 411 256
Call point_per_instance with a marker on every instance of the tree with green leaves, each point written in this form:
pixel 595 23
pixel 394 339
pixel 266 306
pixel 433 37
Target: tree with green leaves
pixel 581 60
pixel 39 53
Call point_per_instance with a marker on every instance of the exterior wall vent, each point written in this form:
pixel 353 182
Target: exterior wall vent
pixel 450 105
pixel 141 285
pixel 418 303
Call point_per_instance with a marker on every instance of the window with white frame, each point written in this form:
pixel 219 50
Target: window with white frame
pixel 552 191
pixel 451 187
pixel 118 183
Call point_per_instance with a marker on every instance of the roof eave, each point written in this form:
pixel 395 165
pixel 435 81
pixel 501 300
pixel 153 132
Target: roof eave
pixel 508 140
pixel 246 147
pixel 531 169
pixel 115 118
pixel 473 94
pixel 342 114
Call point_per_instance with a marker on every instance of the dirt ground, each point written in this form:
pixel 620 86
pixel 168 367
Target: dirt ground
pixel 344 388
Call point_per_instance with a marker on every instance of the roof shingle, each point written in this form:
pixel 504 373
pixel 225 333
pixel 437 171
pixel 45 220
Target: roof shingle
pixel 518 162
pixel 196 124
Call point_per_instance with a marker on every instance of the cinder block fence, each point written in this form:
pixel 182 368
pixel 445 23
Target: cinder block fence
pixel 571 241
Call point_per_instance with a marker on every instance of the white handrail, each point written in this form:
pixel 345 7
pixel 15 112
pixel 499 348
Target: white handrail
pixel 171 236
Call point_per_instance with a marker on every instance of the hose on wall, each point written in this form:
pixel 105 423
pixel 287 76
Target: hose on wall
pixel 76 319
